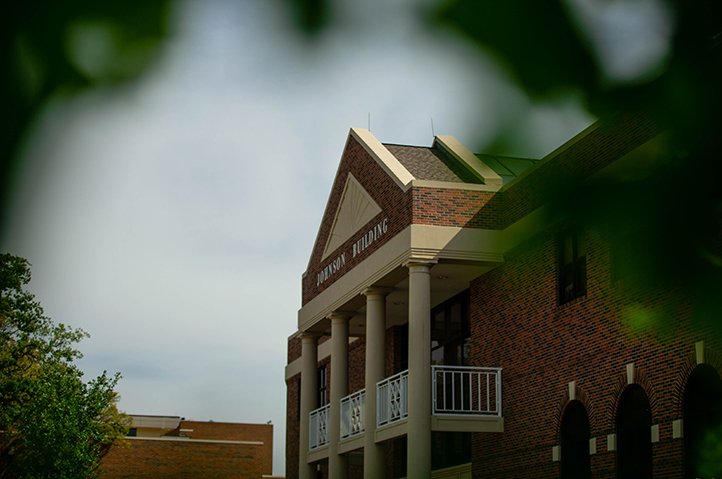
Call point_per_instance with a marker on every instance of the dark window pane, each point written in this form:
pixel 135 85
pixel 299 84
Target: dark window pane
pixel 634 436
pixel 702 418
pixel 575 431
pixel 322 386
pixel 437 356
pixel 450 330
pixel 455 321
pixel 572 267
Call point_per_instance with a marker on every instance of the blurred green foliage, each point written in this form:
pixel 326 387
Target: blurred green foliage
pixel 548 49
pixel 665 221
pixel 50 48
pixel 311 15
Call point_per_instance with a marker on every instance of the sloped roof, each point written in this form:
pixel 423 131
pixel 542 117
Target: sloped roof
pixel 430 163
pixel 433 163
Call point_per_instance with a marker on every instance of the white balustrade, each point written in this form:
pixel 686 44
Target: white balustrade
pixel 318 427
pixel 392 398
pixel 352 414
pixel 456 390
pixel 466 390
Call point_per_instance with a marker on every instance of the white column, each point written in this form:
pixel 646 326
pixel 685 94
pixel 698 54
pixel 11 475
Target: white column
pixel 339 389
pixel 309 393
pixel 419 421
pixel 374 459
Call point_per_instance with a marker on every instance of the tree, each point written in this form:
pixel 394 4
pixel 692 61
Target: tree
pixel 52 423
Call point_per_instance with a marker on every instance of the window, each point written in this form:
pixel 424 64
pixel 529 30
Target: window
pixel 634 435
pixel 322 386
pixel 450 331
pixel 572 272
pixel 401 348
pixel 574 441
pixel 450 347
pixel 450 449
pixel 702 418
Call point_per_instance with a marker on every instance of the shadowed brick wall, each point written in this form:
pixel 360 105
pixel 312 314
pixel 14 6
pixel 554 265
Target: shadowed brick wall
pixel 517 324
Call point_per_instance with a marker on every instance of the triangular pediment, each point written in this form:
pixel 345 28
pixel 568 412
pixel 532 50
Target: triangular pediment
pixel 355 209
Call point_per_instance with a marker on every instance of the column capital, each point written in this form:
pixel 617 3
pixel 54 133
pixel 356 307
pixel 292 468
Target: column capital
pixel 376 291
pixel 306 335
pixel 412 262
pixel 338 315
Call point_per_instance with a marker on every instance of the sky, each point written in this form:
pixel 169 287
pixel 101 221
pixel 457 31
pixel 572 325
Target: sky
pixel 172 218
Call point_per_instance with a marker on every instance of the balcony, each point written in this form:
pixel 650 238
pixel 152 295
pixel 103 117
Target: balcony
pixel 466 390
pixel 464 399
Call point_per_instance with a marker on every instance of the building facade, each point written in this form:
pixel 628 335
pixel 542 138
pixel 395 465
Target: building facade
pixel 161 447
pixel 453 325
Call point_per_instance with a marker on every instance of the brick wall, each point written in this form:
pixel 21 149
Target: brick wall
pixel 450 207
pixel 293 392
pixel 196 449
pixel 294 350
pixel 517 324
pixel 227 431
pixel 356 365
pixel 168 459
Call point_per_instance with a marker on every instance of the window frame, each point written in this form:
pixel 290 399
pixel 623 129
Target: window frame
pixel 633 424
pixel 572 270
pixel 452 337
pixel 575 460
pixel 322 392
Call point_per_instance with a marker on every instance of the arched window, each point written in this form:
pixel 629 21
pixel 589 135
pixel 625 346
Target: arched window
pixel 575 460
pixel 634 435
pixel 702 410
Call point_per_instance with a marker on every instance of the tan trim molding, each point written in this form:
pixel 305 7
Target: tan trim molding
pixel 324 351
pixel 470 161
pixel 424 242
pixel 383 157
pixel 450 185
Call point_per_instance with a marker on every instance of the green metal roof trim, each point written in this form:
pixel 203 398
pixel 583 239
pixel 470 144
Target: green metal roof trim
pixel 507 167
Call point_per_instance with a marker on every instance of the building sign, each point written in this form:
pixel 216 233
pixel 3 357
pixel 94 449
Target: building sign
pixel 357 248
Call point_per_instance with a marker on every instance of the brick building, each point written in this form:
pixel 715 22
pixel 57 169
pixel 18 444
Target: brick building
pixel 165 447
pixel 452 327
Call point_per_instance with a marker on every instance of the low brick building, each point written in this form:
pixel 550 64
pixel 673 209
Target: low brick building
pixel 451 327
pixel 161 447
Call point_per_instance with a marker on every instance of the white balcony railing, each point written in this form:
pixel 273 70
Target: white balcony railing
pixel 466 390
pixel 392 398
pixel 352 414
pixel 318 427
